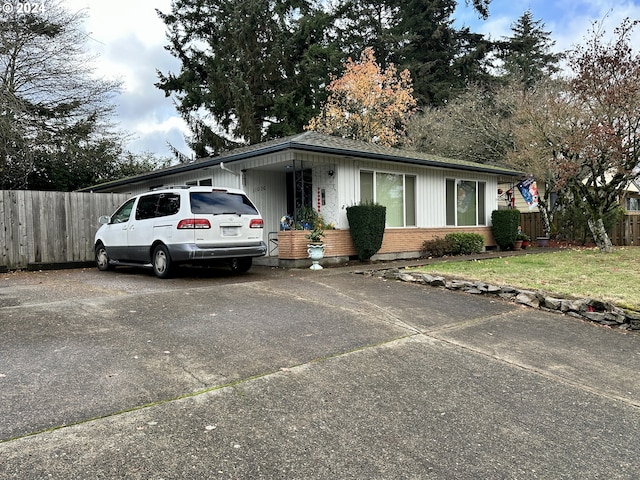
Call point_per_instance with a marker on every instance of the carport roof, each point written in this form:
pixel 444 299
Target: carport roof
pixel 315 142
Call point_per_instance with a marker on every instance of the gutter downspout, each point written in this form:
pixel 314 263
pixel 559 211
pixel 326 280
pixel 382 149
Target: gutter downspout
pixel 222 167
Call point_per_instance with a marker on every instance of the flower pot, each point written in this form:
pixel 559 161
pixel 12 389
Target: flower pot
pixel 517 245
pixel 316 253
pixel 525 244
pixel 542 241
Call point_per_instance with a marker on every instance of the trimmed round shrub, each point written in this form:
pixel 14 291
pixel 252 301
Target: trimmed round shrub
pixel 505 227
pixel 366 224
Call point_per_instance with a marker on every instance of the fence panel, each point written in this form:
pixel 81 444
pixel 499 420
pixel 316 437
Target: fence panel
pixel 50 227
pixel 626 232
pixel 531 224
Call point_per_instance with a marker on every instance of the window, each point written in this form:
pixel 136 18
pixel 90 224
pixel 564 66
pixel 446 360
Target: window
pixel 146 207
pixel 124 212
pixel 465 203
pixel 394 191
pixel 221 202
pixel 207 182
pixel 157 205
pixel 632 204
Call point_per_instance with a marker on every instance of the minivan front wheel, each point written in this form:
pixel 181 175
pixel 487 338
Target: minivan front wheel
pixel 102 258
pixel 162 265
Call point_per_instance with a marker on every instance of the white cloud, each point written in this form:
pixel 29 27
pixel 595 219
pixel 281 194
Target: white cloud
pixel 129 39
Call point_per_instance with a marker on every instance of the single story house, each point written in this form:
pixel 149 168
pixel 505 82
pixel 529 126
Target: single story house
pixel 426 196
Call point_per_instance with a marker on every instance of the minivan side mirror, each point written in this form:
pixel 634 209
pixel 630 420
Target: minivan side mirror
pixel 104 219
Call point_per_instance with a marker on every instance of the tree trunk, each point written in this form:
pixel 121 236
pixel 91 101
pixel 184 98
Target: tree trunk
pixel 600 235
pixel 546 223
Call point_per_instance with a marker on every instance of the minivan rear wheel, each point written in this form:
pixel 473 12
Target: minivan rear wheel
pixel 162 265
pixel 241 264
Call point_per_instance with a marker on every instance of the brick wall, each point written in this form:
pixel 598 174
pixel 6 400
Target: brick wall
pixel 292 244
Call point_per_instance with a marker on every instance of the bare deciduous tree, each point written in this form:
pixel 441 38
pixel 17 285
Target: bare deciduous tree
pixel 55 114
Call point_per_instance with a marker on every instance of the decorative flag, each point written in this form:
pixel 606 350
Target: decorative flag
pixel 529 191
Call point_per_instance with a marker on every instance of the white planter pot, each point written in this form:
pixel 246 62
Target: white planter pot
pixel 316 253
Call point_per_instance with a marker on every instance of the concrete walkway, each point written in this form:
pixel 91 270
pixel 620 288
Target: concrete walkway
pixel 304 375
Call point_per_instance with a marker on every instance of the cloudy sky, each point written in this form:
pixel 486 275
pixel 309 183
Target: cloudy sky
pixel 129 38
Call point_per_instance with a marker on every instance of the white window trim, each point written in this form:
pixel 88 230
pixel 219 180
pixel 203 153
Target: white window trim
pixel 404 191
pixel 456 180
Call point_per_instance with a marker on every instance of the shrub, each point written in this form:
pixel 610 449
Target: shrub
pixel 505 227
pixel 465 243
pixel 366 224
pixel 453 244
pixel 436 247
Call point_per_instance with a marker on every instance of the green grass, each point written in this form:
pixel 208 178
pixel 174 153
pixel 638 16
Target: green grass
pixel 579 272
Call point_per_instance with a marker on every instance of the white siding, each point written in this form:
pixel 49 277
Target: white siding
pixel 265 183
pixel 268 191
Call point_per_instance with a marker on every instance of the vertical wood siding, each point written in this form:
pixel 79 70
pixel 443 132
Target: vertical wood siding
pixel 50 227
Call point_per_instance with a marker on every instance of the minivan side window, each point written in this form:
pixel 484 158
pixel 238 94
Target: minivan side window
pixel 146 207
pixel 157 205
pixel 124 212
pixel 168 204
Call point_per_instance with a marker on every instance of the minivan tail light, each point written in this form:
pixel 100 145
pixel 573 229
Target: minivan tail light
pixel 194 223
pixel 256 223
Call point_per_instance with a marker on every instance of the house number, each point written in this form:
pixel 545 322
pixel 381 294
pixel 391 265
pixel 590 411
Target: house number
pixel 261 188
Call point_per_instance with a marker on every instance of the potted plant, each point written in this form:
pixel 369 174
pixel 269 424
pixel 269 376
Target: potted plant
pixel 524 238
pixel 306 218
pixel 315 248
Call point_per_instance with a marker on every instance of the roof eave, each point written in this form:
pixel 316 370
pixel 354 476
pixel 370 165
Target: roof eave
pixel 394 158
pixel 231 157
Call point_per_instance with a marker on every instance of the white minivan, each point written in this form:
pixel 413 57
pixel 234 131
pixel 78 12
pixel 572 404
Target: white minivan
pixel 182 225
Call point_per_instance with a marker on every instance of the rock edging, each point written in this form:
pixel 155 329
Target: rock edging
pixel 593 310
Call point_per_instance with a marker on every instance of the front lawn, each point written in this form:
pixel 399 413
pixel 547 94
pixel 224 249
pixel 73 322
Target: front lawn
pixel 580 272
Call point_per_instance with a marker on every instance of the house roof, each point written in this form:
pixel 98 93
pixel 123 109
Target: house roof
pixel 315 142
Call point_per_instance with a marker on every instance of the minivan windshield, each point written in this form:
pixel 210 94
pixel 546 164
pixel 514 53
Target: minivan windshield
pixel 219 202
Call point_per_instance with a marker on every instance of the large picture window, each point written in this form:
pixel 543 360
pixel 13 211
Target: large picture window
pixel 395 191
pixel 465 203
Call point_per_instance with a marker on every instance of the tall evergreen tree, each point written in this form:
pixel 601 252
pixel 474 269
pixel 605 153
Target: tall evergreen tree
pixel 526 54
pixel 363 24
pixel 418 35
pixel 258 69
pixel 254 67
pixel 441 59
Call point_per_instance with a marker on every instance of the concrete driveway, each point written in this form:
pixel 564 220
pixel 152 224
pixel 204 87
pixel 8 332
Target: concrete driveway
pixel 304 375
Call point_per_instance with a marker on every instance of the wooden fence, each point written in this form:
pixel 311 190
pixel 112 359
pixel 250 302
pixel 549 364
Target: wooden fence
pixel 57 228
pixel 50 227
pixel 625 233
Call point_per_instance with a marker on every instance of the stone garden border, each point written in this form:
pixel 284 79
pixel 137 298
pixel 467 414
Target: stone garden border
pixel 593 310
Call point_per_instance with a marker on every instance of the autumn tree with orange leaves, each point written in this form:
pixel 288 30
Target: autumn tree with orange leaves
pixel 366 103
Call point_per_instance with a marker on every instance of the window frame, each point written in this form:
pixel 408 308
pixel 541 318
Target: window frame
pixel 412 214
pixel 628 201
pixel 452 209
